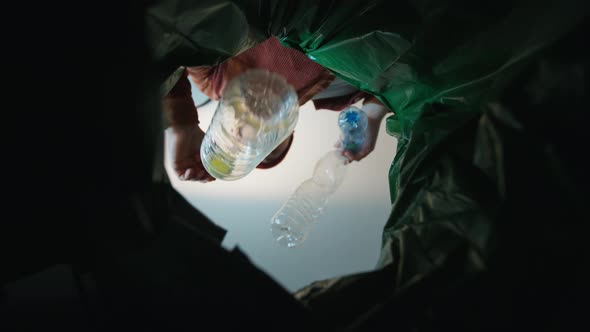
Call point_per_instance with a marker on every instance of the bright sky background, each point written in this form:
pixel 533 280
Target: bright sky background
pixel 347 237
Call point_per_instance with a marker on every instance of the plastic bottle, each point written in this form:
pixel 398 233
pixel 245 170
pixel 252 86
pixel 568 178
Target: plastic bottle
pixel 292 223
pixel 353 123
pixel 257 111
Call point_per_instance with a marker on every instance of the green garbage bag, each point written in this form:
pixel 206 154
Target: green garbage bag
pixel 468 163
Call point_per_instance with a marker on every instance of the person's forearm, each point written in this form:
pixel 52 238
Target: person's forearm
pixel 374 109
pixel 179 106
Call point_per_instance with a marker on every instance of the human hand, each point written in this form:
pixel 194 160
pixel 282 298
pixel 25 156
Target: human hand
pixel 185 153
pixel 375 114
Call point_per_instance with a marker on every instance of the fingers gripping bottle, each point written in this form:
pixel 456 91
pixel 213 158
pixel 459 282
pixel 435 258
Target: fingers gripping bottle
pixel 292 223
pixel 257 111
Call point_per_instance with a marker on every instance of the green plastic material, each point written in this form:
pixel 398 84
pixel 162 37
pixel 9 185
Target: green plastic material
pixel 443 69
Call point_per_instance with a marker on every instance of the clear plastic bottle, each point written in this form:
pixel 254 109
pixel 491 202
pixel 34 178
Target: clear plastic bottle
pixel 292 223
pixel 257 111
pixel 353 123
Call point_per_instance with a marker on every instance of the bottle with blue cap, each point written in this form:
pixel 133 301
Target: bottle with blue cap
pixel 352 123
pixel 292 223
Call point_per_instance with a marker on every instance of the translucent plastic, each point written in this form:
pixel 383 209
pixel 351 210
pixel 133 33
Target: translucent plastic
pixel 291 225
pixel 353 123
pixel 257 111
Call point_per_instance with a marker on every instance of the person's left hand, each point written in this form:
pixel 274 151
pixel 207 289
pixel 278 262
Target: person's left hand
pixel 185 154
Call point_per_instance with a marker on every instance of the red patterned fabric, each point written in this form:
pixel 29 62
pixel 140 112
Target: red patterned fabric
pixel 307 77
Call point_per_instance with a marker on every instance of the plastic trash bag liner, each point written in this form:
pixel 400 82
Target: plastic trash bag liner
pixel 473 176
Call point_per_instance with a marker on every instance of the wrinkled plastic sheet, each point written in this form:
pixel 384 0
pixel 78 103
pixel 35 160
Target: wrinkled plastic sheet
pixel 444 69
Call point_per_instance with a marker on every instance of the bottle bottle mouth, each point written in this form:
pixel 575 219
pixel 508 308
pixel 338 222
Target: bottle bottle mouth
pixel 352 118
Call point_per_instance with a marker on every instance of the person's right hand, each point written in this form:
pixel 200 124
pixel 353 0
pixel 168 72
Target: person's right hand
pixel 375 112
pixel 185 154
pixel 368 146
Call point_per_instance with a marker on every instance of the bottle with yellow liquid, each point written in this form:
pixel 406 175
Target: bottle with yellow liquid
pixel 257 111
